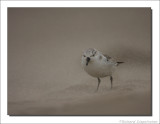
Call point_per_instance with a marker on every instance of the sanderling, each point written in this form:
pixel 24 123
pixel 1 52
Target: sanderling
pixel 98 65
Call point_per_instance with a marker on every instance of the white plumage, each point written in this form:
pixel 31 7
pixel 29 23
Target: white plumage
pixel 98 65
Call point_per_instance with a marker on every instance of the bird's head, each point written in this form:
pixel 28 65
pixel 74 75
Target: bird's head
pixel 89 55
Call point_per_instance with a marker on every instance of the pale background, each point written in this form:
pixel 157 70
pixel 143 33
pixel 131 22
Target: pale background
pixel 44 53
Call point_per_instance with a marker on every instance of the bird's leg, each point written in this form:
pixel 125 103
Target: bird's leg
pixel 111 81
pixel 99 81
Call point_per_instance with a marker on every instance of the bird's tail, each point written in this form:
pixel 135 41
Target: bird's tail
pixel 119 63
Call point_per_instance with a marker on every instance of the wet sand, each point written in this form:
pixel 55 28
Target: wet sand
pixel 45 76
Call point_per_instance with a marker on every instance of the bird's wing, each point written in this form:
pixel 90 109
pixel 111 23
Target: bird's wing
pixel 111 60
pixel 107 57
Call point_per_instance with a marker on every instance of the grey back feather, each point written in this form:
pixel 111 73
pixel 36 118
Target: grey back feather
pixel 112 60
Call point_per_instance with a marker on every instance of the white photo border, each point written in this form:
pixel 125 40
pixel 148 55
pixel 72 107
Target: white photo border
pixel 82 119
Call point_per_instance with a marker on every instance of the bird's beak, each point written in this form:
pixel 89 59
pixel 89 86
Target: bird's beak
pixel 87 60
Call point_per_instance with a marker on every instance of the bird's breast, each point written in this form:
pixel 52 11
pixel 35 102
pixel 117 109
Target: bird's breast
pixel 99 69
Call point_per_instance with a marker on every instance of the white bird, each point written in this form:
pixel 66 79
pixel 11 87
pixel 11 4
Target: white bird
pixel 98 65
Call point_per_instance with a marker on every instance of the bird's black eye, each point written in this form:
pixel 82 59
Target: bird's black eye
pixel 84 56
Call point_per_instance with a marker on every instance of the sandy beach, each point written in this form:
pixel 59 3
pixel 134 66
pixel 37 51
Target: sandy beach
pixel 45 76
